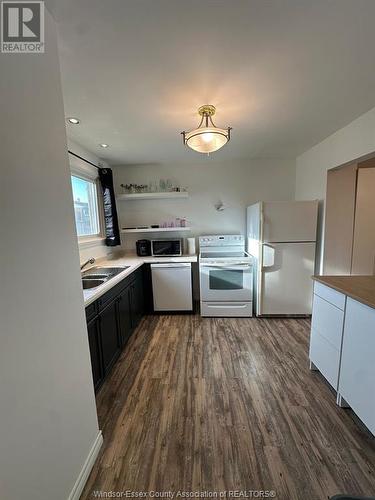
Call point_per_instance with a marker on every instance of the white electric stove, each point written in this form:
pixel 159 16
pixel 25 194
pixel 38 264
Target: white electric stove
pixel 226 276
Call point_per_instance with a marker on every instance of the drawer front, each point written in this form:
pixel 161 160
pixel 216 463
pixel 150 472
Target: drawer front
pixel 330 295
pixel 325 357
pixel 328 321
pixel 227 309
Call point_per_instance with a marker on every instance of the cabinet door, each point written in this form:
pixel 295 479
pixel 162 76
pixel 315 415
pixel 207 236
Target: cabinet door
pixel 326 332
pixel 357 373
pixel 328 321
pixel 124 315
pixel 110 337
pixel 95 354
pixel 137 300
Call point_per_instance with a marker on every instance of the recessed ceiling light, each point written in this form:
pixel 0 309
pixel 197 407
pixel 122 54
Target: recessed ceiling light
pixel 73 120
pixel 103 145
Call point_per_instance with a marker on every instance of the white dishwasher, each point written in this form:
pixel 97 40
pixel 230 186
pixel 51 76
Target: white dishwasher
pixel 171 286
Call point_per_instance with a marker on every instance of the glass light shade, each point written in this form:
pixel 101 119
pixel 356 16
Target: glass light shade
pixel 206 139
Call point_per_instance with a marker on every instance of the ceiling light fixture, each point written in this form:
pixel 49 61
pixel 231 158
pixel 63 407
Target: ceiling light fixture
pixel 73 120
pixel 103 145
pixel 207 138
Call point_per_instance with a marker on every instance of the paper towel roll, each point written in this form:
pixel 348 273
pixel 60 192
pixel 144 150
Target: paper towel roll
pixel 191 246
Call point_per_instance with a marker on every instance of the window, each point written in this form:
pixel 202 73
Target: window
pixel 85 207
pixel 226 279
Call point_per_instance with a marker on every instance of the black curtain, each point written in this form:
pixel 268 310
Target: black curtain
pixel 112 231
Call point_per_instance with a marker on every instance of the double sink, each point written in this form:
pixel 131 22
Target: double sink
pixel 96 276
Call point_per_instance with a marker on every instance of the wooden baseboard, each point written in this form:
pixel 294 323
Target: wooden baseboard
pixel 86 469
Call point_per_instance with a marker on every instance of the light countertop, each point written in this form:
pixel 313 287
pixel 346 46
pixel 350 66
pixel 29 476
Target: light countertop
pixel 131 260
pixel 361 288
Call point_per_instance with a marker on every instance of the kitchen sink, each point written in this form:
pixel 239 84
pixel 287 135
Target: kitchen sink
pixel 92 283
pixel 103 272
pixel 96 276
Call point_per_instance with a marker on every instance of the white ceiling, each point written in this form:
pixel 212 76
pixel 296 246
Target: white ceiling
pixel 283 73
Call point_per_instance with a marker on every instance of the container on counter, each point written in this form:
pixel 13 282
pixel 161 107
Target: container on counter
pixel 191 246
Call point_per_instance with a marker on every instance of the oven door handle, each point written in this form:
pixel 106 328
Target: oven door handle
pixel 235 267
pixel 237 305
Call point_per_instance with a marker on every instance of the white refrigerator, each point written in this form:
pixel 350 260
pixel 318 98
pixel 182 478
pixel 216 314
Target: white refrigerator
pixel 281 237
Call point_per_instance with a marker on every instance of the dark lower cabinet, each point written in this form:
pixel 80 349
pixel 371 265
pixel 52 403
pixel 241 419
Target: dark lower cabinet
pixel 124 315
pixel 95 352
pixel 137 304
pixel 110 322
pixel 110 335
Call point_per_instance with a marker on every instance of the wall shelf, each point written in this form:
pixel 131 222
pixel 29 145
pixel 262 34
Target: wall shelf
pixel 156 230
pixel 153 196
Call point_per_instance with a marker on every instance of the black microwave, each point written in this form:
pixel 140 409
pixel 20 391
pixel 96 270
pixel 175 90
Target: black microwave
pixel 167 248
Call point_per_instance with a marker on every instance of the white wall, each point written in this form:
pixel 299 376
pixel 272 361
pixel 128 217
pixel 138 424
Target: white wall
pixel 353 141
pixel 349 143
pixel 48 413
pixel 96 249
pixel 236 184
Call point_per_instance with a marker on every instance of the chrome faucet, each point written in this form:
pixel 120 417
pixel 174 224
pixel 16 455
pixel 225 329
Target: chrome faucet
pixel 90 261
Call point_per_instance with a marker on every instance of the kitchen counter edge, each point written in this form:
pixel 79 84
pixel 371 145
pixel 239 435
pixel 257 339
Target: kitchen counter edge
pixel 134 262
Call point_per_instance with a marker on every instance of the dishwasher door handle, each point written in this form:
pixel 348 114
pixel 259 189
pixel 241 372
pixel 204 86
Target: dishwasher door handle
pixel 171 265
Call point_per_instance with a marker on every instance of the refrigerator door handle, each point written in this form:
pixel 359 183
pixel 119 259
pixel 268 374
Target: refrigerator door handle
pixel 268 256
pixel 259 288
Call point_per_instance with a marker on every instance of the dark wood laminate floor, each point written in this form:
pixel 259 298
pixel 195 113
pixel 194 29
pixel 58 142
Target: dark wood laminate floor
pixel 199 404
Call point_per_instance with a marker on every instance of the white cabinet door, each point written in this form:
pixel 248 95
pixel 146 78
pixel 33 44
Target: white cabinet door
pixel 326 333
pixel 357 374
pixel 325 357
